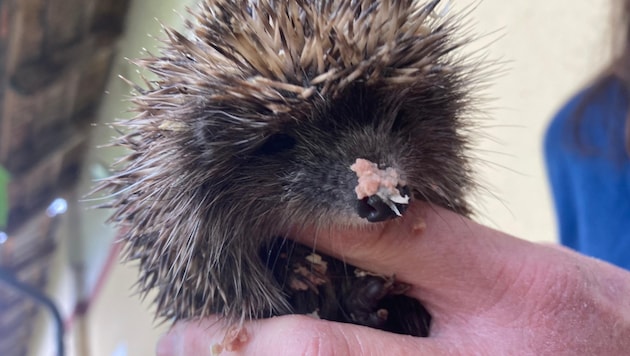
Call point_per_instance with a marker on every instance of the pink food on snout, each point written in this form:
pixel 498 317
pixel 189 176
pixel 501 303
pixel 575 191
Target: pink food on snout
pixel 373 180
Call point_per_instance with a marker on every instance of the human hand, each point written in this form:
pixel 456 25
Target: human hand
pixel 489 294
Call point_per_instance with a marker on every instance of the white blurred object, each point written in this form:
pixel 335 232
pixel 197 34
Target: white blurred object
pixel 57 207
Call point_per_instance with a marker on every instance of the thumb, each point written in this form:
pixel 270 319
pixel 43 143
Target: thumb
pixel 446 257
pixel 291 335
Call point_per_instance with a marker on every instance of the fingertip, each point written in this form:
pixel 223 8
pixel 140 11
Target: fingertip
pixel 166 345
pixel 301 335
pixel 196 337
pixel 292 335
pixel 169 343
pixel 288 335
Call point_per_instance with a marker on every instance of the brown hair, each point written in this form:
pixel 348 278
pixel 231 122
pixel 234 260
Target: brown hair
pixel 618 70
pixel 620 66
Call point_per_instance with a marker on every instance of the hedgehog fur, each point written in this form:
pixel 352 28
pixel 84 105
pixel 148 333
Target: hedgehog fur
pixel 251 125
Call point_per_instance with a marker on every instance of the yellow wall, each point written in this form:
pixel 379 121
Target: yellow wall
pixel 550 49
pixel 118 323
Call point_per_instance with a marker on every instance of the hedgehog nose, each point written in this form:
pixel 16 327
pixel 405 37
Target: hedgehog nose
pixel 375 209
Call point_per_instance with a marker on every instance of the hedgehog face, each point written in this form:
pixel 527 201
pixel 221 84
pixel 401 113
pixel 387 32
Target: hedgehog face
pixel 301 169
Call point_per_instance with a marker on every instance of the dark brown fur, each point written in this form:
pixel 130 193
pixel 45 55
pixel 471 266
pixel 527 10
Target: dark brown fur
pixel 252 124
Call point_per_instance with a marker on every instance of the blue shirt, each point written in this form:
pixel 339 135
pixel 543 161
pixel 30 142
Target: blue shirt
pixel 589 174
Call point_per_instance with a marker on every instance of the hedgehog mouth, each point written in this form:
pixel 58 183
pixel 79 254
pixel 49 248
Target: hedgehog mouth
pixel 384 205
pixel 381 192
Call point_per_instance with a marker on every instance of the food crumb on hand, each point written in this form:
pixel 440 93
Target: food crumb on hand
pixel 234 338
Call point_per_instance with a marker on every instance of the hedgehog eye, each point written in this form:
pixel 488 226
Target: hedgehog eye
pixel 276 143
pixel 399 122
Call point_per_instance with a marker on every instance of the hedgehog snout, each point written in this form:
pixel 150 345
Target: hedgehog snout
pixel 377 209
pixel 381 193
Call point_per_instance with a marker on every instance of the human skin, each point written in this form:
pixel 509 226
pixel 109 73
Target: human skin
pixel 489 294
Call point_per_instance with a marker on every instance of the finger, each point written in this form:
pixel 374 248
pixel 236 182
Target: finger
pixel 446 256
pixel 293 335
pixel 190 338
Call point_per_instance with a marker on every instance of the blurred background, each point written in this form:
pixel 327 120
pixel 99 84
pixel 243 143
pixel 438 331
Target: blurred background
pixel 59 87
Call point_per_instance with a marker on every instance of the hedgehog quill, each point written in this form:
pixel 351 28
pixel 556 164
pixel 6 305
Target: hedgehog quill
pixel 271 115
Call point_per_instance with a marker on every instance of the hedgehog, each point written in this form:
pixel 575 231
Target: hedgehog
pixel 267 116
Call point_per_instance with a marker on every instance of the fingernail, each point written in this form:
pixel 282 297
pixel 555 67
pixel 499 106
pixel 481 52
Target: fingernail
pixel 166 345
